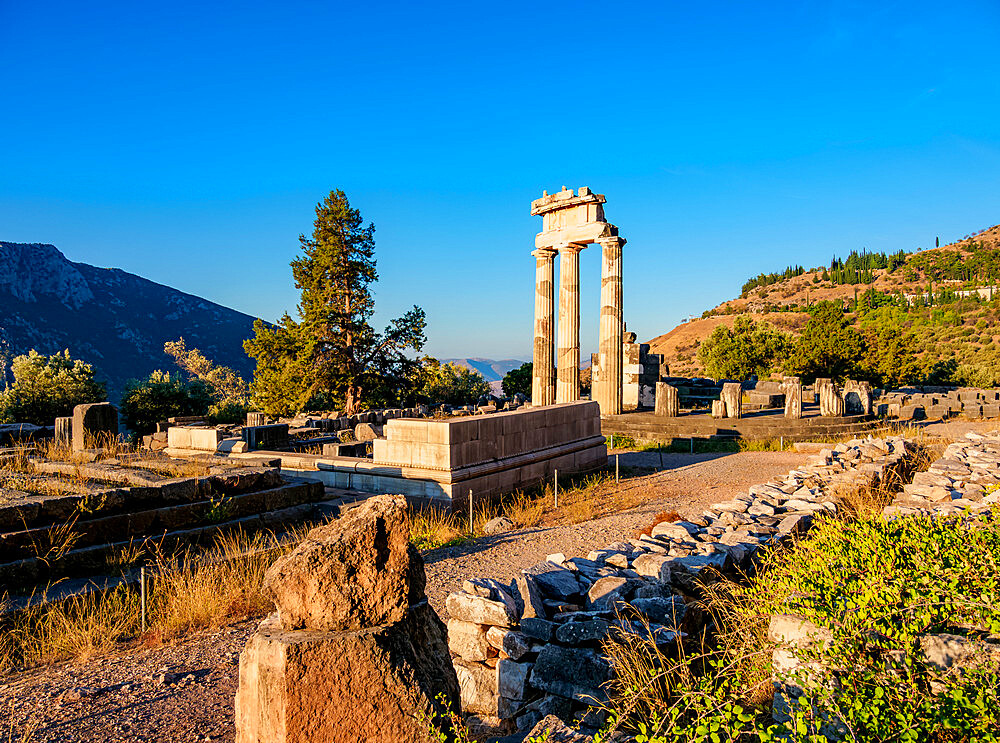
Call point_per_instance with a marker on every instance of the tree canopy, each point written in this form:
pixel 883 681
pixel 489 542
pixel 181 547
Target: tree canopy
pixel 48 387
pixel 450 383
pixel 518 380
pixel 746 349
pixel 332 356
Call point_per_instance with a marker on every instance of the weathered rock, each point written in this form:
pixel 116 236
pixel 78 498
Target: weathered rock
pixel 467 640
pixel 479 610
pixel 554 730
pixel 582 631
pixel 478 684
pixel 497 526
pixel 555 580
pixel 666 611
pixel 537 628
pixel 653 566
pixel 512 678
pixel 606 591
pixel 530 596
pixel 515 644
pixel 303 686
pixel 358 571
pixel 574 673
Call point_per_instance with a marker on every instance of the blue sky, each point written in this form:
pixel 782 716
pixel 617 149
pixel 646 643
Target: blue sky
pixel 189 142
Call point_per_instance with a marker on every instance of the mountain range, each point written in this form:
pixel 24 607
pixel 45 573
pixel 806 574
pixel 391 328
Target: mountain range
pixel 112 319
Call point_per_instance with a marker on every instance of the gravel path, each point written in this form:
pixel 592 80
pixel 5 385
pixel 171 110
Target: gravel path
pixel 184 692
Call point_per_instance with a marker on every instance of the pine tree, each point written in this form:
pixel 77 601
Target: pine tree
pixel 333 354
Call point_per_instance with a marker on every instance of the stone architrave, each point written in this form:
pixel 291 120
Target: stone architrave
pixel 543 390
pixel 571 222
pixel 568 351
pixel 667 400
pixel 354 652
pixel 64 431
pixel 92 422
pixel 732 396
pixel 792 387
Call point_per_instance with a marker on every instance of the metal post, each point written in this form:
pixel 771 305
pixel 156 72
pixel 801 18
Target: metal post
pixel 142 594
pixel 782 443
pixel 472 524
pixel 661 455
pixel 555 487
pixel 616 468
pixel 692 444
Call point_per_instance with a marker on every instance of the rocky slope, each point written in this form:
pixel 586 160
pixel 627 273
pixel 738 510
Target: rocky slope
pixel 115 320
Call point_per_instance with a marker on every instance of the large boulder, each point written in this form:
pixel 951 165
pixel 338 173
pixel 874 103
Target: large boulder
pixel 358 571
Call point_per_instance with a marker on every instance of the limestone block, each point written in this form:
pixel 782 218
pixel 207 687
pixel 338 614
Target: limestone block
pixel 304 686
pixel 479 610
pixel 653 566
pixel 718 409
pixel 205 439
pixel 512 678
pixel 478 685
pixel 91 422
pixel 513 643
pixel 792 389
pixel 467 640
pixel 357 571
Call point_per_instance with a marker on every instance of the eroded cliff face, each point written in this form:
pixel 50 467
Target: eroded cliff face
pixel 115 320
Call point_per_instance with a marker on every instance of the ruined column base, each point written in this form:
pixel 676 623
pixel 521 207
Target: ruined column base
pixel 305 686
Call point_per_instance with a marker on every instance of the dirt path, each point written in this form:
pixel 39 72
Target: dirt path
pixel 183 693
pixel 689 483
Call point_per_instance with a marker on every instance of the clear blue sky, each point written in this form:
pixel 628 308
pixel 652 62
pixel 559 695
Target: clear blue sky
pixel 189 142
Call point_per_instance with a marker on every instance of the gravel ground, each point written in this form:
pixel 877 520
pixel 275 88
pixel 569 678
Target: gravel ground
pixel 184 692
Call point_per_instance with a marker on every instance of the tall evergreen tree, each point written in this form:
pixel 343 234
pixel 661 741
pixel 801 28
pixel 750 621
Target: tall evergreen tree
pixel 332 353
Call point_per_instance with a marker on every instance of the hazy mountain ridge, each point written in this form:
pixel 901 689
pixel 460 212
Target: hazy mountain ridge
pixel 492 370
pixel 115 320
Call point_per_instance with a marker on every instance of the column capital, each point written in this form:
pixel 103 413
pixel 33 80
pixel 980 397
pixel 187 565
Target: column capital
pixel 544 252
pixel 617 240
pixel 570 247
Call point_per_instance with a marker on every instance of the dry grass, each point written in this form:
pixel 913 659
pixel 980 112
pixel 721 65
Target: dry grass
pixel 184 593
pixel 13 733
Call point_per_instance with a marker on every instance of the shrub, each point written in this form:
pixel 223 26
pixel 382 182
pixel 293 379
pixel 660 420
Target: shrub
pixel 48 387
pixel 162 396
pixel 518 380
pixel 228 411
pixel 450 383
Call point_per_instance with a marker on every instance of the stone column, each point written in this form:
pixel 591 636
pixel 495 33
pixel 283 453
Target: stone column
pixel 568 379
pixel 542 376
pixel 792 387
pixel 609 393
pixel 667 400
pixel 732 396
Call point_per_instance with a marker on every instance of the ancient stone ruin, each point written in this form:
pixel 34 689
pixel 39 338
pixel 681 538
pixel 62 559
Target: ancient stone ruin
pixel 571 222
pixel 354 651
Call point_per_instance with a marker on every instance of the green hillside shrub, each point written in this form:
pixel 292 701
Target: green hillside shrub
pixel 745 349
pixel 450 383
pixel 163 395
pixel 48 387
pixel 877 586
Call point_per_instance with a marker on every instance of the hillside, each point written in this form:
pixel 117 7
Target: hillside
pixel 961 320
pixel 115 320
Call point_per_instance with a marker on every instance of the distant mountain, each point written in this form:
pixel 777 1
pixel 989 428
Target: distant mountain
pixel 115 320
pixel 492 371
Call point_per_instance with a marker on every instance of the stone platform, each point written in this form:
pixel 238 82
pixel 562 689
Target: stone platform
pixel 762 424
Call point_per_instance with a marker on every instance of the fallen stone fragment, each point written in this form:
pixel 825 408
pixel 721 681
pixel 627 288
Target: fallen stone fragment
pixel 478 610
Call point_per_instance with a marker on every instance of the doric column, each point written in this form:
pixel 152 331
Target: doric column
pixel 543 363
pixel 609 392
pixel 568 378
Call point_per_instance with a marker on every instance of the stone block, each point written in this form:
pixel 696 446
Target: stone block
pixel 91 422
pixel 303 686
pixel 574 673
pixel 266 437
pixel 467 640
pixel 479 610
